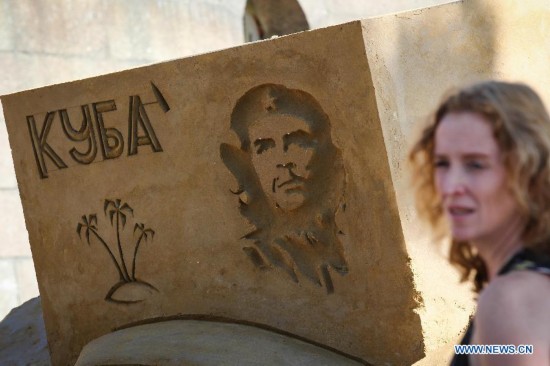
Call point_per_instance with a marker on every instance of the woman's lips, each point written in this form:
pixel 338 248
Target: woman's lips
pixel 460 211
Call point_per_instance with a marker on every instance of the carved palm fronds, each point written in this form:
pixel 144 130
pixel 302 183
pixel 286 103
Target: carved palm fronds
pixel 89 224
pixel 143 234
pixel 117 212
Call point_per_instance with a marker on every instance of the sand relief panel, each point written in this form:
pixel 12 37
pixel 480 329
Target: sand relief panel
pixel 291 183
pixel 97 135
pixel 290 178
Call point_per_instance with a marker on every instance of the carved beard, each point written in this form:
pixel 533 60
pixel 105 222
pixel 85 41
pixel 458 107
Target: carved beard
pixel 311 249
pixel 305 240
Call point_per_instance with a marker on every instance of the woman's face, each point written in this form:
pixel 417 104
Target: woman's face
pixel 471 179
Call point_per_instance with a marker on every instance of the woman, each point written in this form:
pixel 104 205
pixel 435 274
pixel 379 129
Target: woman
pixel 482 172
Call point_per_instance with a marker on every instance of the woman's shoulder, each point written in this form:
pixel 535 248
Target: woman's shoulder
pixel 517 287
pixel 525 278
pixel 513 310
pixel 516 302
pixel 514 283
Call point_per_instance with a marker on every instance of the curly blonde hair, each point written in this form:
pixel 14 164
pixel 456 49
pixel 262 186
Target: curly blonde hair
pixel 521 127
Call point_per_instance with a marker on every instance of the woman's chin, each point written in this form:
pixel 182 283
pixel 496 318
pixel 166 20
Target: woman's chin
pixel 461 235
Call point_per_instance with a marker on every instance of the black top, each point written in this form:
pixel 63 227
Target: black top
pixel 526 259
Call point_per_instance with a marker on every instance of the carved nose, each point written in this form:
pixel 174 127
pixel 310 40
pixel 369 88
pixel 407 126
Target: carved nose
pixel 289 165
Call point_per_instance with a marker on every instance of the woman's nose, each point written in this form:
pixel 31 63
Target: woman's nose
pixel 453 183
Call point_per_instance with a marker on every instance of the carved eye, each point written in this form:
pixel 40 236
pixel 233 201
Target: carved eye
pixel 262 145
pixel 300 138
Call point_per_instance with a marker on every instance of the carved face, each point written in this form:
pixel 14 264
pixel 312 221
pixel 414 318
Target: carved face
pixel 282 148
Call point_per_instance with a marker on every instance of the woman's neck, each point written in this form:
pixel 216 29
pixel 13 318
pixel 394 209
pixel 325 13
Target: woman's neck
pixel 497 249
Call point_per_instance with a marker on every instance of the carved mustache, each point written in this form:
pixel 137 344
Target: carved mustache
pixel 295 178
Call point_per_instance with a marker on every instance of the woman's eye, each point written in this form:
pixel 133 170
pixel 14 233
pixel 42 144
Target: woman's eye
pixel 475 165
pixel 441 164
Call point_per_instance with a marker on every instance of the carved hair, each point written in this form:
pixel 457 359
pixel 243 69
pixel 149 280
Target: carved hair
pixel 521 127
pixel 306 238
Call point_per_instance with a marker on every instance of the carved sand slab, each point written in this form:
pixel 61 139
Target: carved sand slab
pixel 250 184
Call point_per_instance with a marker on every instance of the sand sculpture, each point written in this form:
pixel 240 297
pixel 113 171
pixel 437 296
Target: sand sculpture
pixel 152 195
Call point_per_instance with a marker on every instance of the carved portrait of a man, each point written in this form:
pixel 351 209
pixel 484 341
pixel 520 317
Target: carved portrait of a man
pixel 290 182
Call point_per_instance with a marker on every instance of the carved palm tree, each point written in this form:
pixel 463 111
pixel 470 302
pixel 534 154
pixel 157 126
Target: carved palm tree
pixel 89 223
pixel 144 232
pixel 117 212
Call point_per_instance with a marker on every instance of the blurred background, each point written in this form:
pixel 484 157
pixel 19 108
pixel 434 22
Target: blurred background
pixel 50 42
